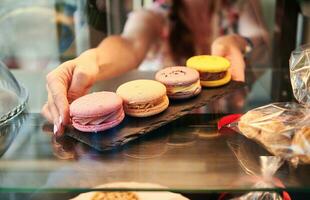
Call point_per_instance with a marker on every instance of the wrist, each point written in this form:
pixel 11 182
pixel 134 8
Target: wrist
pixel 239 42
pixel 89 54
pixel 88 60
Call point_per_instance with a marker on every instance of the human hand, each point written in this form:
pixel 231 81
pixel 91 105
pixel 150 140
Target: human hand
pixel 232 48
pixel 66 83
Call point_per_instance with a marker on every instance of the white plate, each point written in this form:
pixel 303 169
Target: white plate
pixel 145 195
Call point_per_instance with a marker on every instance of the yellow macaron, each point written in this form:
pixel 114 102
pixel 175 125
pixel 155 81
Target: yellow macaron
pixel 213 70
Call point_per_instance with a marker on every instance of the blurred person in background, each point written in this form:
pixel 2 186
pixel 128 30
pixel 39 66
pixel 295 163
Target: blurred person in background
pixel 163 35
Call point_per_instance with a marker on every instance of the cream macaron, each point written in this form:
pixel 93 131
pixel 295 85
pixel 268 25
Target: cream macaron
pixel 143 98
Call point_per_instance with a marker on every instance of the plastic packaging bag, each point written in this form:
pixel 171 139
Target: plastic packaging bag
pixel 261 176
pixel 300 74
pixel 282 128
pixel 265 179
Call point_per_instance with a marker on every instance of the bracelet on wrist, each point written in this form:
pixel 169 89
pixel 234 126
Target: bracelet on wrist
pixel 249 46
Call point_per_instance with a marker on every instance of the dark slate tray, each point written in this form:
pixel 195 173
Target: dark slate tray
pixel 132 128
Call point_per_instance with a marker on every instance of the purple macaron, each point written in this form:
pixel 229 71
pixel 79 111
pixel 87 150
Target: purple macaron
pixel 181 82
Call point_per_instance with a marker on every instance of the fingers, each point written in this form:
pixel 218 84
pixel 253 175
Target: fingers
pixel 237 65
pixel 52 107
pixel 57 85
pixel 50 113
pixel 57 119
pixel 234 55
pixel 57 108
pixel 64 84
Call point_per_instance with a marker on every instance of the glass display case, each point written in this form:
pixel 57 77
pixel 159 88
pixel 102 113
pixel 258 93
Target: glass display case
pixel 188 155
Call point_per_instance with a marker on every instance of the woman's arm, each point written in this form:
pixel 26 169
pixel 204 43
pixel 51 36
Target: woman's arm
pixel 114 56
pixel 252 34
pixel 119 54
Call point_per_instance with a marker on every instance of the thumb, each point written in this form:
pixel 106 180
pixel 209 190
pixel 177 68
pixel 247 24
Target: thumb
pixel 235 58
pixel 82 80
pixel 218 49
pixel 237 65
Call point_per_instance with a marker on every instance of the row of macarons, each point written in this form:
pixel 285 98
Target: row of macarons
pixel 100 111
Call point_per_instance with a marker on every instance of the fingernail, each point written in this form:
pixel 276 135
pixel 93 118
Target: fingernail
pixel 55 129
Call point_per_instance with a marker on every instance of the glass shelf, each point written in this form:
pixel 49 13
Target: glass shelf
pixel 189 155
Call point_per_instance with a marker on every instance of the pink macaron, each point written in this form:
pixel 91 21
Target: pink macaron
pixel 97 111
pixel 181 82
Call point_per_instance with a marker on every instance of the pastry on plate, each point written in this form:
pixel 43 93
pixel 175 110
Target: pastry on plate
pixel 107 196
pixel 131 195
